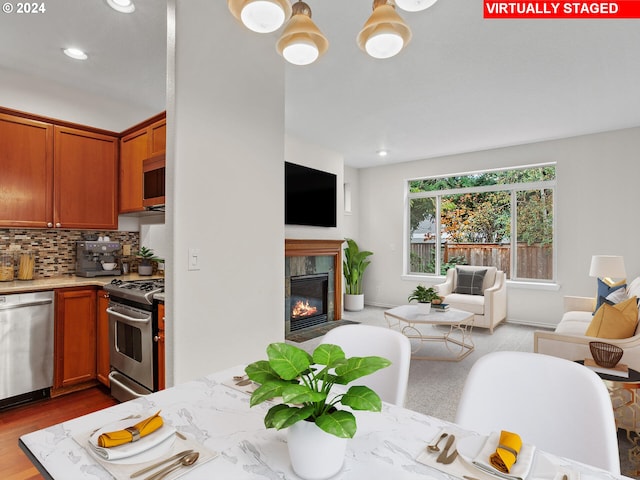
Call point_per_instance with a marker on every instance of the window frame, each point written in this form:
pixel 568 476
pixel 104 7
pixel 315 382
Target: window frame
pixel 512 188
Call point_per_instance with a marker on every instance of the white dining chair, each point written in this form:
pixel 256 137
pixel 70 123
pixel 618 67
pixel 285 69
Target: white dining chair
pixel 390 383
pixel 555 404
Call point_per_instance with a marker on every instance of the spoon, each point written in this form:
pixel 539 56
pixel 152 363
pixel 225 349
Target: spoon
pixel 185 461
pixel 434 447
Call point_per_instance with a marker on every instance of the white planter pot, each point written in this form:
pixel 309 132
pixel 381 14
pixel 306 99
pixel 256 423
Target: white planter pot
pixel 314 454
pixel 354 303
pixel 145 269
pixel 424 308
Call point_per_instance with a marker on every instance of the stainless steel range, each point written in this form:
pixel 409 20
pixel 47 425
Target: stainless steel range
pixel 133 328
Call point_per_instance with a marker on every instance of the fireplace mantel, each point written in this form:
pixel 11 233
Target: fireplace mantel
pixel 310 248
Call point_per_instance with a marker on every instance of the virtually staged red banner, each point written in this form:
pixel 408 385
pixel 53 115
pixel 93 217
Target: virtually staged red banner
pixel 562 9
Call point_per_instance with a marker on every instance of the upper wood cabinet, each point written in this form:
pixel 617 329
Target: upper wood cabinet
pixel 56 176
pixel 145 142
pixel 85 179
pixel 26 164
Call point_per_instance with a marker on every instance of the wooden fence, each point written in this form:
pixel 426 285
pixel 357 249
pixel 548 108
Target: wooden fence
pixel 534 261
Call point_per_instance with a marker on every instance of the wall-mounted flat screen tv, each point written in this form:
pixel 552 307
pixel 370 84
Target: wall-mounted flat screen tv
pixel 309 196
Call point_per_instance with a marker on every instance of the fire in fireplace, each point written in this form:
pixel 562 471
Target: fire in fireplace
pixel 308 300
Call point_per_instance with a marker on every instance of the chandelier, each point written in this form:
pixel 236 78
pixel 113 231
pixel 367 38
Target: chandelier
pixel 383 35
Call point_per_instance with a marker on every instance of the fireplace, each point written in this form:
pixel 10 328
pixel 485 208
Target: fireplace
pixel 313 265
pixel 308 300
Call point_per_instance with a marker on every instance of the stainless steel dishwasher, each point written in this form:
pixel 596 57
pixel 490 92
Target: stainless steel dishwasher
pixel 26 347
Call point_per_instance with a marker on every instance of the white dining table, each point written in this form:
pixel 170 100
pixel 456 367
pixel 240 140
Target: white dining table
pixel 213 414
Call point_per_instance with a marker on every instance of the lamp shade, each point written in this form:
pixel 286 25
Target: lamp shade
pixel 301 42
pixel 610 266
pixel 262 16
pixel 414 5
pixel 384 34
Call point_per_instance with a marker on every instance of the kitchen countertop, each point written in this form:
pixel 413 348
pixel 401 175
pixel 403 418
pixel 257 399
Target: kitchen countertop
pixel 65 281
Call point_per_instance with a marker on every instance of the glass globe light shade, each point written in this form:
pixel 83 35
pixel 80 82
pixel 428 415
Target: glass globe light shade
pixel 384 44
pixel 414 5
pixel 301 52
pixel 262 16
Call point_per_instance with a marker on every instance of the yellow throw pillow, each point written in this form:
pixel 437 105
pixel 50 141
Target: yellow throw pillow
pixel 615 321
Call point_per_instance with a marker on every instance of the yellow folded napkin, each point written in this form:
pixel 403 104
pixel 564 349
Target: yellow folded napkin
pixel 131 434
pixel 507 451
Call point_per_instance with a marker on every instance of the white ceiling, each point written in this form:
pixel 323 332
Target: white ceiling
pixel 463 83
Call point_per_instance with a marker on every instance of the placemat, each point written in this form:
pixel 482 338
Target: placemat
pixel 121 470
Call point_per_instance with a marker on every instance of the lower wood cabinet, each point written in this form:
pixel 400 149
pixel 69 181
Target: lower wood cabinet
pixel 75 338
pixel 161 348
pixel 102 339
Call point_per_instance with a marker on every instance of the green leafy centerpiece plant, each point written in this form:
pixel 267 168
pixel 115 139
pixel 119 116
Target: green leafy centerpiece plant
pixel 353 266
pixel 309 409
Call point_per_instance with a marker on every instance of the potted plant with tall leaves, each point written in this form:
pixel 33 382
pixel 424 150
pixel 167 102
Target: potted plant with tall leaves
pixel 353 266
pixel 317 428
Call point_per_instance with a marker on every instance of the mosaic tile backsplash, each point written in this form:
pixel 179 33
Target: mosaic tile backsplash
pixel 55 250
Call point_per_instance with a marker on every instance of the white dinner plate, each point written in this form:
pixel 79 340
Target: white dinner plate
pixel 146 449
pixel 469 447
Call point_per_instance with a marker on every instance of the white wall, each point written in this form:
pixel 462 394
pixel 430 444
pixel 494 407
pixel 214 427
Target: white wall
pixel 225 175
pixel 313 156
pixel 350 220
pixel 596 200
pixel 45 97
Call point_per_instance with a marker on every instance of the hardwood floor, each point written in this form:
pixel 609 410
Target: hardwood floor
pixel 15 422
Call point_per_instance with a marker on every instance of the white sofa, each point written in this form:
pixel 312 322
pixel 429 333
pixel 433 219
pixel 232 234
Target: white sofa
pixel 490 308
pixel 569 341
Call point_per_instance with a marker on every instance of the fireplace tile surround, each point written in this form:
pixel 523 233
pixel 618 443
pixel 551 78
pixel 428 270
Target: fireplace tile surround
pixel 310 257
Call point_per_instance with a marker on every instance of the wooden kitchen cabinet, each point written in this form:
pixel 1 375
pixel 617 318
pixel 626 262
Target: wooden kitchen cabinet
pixel 103 365
pixel 162 373
pixel 85 179
pixel 136 146
pixel 74 338
pixel 26 187
pixel 56 176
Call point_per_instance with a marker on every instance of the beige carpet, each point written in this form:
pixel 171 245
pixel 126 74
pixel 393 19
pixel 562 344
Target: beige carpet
pixel 435 387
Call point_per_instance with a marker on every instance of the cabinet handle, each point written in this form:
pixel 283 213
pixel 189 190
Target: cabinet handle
pixel 49 224
pixel 58 225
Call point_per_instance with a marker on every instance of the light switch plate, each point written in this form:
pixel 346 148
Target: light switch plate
pixel 194 259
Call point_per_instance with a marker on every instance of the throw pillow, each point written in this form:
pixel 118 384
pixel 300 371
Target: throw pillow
pixel 605 289
pixel 469 281
pixel 614 321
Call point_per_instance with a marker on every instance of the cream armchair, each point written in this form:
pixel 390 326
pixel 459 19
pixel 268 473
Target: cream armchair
pixel 490 308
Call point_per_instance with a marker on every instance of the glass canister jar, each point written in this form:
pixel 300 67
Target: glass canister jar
pixel 6 267
pixel 26 265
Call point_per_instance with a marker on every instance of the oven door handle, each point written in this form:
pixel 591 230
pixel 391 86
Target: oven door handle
pixel 110 311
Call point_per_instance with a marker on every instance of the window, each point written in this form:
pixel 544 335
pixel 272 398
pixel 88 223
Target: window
pixel 498 218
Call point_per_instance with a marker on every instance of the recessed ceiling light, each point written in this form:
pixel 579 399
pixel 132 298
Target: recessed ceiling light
pixel 75 53
pixel 124 6
pixel 382 153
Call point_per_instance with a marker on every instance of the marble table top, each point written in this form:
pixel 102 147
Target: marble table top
pixel 214 414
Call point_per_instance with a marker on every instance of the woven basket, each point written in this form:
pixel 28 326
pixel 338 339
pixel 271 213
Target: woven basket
pixel 605 354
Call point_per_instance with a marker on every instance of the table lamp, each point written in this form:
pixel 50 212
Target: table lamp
pixel 607 267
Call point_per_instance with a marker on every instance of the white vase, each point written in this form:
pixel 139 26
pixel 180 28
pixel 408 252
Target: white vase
pixel 424 308
pixel 353 303
pixel 145 269
pixel 314 453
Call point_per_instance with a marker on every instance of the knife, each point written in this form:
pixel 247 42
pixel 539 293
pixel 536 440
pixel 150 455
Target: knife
pixel 445 457
pixel 162 462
